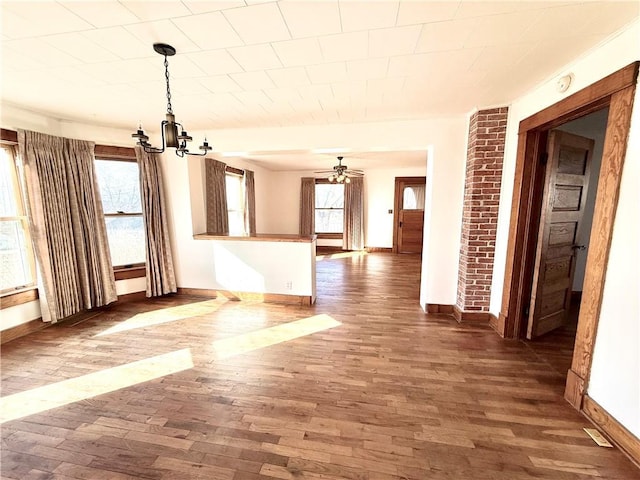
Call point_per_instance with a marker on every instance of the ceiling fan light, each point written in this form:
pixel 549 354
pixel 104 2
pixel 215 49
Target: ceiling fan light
pixel 347 180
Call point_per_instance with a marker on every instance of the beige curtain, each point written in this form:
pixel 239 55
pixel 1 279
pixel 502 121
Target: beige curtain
pixel 67 223
pixel 419 192
pixel 353 236
pixel 216 197
pixel 249 202
pixel 161 278
pixel 307 206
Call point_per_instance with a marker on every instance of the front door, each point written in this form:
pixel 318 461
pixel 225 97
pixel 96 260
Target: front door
pixel 564 198
pixel 409 218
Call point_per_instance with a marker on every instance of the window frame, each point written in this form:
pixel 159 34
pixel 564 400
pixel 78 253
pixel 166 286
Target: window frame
pixel 327 235
pixel 22 217
pixel 235 172
pixel 121 154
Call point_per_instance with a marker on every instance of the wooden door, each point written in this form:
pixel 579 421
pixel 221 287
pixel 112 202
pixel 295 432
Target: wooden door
pixel 409 218
pixel 564 198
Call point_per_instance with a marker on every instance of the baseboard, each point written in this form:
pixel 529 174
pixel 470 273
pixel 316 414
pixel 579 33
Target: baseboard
pixel 462 316
pixel 266 297
pixel 574 389
pixel 198 292
pixel 248 296
pixel 438 308
pixel 614 430
pixel 22 330
pixel 132 297
pixel 379 250
pixel 493 321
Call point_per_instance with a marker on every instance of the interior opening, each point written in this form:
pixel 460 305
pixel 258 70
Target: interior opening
pixel 570 234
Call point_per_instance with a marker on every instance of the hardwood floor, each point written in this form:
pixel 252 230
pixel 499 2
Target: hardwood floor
pixel 361 386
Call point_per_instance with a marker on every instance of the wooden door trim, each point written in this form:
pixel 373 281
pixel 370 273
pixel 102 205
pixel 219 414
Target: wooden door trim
pixel 616 91
pixel 397 204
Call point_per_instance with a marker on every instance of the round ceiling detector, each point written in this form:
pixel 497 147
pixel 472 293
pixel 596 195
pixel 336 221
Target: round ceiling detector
pixel 563 83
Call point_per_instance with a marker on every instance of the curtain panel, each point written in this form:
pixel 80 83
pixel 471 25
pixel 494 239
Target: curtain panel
pixel 307 206
pixel 249 202
pixel 216 197
pixel 353 236
pixel 67 224
pixel 161 278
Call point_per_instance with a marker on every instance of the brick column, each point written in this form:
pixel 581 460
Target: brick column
pixel 485 154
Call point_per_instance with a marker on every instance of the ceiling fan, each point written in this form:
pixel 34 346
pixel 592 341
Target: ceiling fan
pixel 341 173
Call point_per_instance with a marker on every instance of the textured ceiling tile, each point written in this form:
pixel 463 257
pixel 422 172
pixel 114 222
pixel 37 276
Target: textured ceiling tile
pixel 162 31
pixel 102 14
pixel 203 6
pixel 220 84
pixel 411 12
pixel 209 30
pixel 289 77
pixel 253 80
pixel 215 62
pixel 294 53
pixel 310 19
pixel 387 42
pixel 344 46
pixel 120 42
pixel 328 72
pixel 30 19
pixel 363 15
pixel 80 47
pixel 149 10
pixel 255 57
pixel 258 23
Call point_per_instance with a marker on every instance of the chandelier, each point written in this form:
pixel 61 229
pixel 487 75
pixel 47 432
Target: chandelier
pixel 169 127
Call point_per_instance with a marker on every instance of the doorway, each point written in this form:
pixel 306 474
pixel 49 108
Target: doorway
pixel 569 186
pixel 408 218
pixel 617 92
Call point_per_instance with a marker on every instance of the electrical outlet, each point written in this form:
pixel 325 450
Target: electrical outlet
pixel 289 285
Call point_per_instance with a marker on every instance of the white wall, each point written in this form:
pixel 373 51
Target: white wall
pixel 14 316
pixel 615 379
pixel 379 199
pixel 615 371
pixel 379 185
pixel 620 51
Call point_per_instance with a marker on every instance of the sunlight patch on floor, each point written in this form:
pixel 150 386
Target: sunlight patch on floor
pixel 267 337
pixel 327 256
pixel 58 394
pixel 165 315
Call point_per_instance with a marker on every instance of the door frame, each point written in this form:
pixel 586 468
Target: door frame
pixel 615 91
pixel 397 204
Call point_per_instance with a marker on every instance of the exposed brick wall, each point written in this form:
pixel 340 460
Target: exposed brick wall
pixel 485 155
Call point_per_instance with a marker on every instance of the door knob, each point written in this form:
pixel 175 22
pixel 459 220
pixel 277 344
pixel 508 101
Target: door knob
pixel 578 247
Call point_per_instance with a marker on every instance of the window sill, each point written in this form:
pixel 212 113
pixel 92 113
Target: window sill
pixel 329 236
pixel 130 272
pixel 21 297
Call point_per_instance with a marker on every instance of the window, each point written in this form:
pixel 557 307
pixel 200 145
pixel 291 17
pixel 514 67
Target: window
pixel 329 208
pixel 17 266
pixel 235 203
pixel 120 191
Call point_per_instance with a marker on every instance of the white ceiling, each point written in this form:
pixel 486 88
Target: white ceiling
pixel 254 64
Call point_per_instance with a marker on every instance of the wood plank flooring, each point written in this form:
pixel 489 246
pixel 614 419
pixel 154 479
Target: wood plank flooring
pixel 361 386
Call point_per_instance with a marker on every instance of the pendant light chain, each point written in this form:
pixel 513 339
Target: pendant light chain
pixel 166 76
